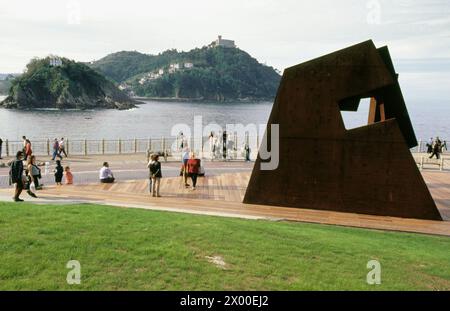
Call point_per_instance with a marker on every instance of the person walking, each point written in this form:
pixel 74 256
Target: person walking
pixel 1 143
pixel 150 160
pixel 24 139
pixel 62 147
pixel 17 177
pixel 27 148
pixel 247 153
pixel 184 160
pixel 156 175
pixel 212 146
pixel 56 150
pixel 193 167
pixel 181 140
pixel 224 146
pixel 106 175
pixel 436 149
pixel 59 172
pixel 34 172
pixel 430 146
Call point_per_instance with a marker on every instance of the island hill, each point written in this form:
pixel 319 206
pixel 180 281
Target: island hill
pixel 55 82
pixel 217 72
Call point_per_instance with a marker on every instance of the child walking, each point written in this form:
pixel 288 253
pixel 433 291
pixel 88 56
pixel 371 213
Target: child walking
pixel 69 176
pixel 59 171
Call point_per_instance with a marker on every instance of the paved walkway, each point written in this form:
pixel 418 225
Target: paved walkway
pixel 124 166
pixel 222 194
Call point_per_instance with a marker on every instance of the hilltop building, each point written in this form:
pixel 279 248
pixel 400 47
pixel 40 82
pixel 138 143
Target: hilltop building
pixel 55 61
pixel 224 42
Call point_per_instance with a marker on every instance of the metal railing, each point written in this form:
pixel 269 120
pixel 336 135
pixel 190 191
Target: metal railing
pixel 168 145
pixel 421 147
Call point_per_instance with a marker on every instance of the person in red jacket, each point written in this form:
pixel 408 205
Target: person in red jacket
pixel 193 168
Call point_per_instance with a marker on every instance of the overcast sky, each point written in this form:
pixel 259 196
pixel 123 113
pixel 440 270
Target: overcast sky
pixel 280 33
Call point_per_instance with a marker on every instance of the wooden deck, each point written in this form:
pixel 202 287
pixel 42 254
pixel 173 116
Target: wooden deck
pixel 222 196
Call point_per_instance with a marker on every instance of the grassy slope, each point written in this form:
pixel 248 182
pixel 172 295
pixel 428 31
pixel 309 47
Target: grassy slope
pixel 147 250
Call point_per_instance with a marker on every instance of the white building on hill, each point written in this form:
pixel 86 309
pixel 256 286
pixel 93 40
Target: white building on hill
pixel 55 61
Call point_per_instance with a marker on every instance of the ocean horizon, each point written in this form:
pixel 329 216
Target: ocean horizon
pixel 155 119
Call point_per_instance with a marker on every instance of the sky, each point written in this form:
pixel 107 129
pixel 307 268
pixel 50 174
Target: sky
pixel 280 33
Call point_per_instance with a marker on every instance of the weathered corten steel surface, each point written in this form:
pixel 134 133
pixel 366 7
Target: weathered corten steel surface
pixel 367 170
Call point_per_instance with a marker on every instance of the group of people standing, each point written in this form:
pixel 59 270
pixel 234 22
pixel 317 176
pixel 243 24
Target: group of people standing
pixel 435 147
pixel 190 168
pixel 220 145
pixel 24 171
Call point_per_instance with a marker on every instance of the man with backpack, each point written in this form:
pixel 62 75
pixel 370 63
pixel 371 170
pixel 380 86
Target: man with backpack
pixel 17 178
pixel 155 174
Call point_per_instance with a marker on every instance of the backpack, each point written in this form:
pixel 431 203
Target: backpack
pixel 39 170
pixel 154 169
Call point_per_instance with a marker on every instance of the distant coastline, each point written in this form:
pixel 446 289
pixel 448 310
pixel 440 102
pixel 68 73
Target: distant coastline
pixel 202 100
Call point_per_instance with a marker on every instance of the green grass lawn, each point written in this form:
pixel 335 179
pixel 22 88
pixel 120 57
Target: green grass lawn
pixel 132 249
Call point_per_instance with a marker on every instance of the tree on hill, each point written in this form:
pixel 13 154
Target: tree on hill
pixel 66 85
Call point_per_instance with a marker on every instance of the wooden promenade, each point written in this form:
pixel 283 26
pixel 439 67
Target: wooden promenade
pixel 222 195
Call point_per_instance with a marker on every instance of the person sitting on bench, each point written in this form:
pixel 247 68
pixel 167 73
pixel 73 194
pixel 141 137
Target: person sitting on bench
pixel 106 176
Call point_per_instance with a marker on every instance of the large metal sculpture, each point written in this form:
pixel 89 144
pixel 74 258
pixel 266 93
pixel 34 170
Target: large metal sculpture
pixel 367 170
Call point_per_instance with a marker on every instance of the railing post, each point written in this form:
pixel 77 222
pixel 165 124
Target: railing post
pixel 85 147
pixel 103 146
pixel 48 146
pixel 419 147
pixel 442 164
pixel 135 145
pixel 7 148
pixel 163 145
pixel 235 145
pixel 257 140
pixel 201 142
pixel 421 163
pixel 67 147
pixel 120 146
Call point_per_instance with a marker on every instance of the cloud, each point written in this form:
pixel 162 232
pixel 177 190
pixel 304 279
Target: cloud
pixel 280 33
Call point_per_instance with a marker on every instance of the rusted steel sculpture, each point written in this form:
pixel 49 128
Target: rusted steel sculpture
pixel 367 170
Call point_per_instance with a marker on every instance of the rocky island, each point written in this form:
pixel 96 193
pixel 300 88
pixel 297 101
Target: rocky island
pixel 54 82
